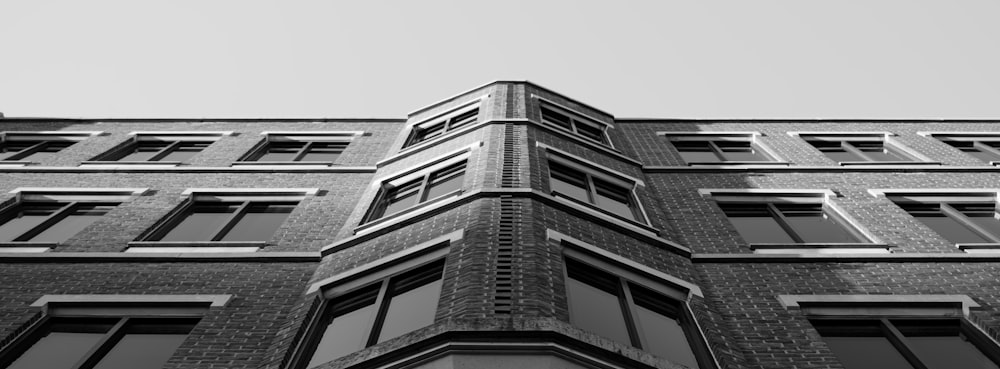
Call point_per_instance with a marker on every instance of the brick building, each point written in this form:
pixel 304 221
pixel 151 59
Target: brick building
pixel 505 227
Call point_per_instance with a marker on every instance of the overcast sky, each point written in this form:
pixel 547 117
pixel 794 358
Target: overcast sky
pixel 664 59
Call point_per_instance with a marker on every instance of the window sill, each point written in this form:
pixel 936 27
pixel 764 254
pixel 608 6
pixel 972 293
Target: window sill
pixel 129 164
pixel 845 163
pixel 283 164
pixel 14 163
pixel 409 212
pixel 26 247
pixel 606 215
pixel 821 248
pixel 739 163
pixel 195 246
pixel 979 247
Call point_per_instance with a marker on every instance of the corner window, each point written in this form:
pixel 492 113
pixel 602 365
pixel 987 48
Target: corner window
pixel 589 129
pixel 429 129
pixel 859 148
pixel 56 215
pixel 611 193
pixel 375 312
pixel 718 148
pixel 438 181
pixel 984 146
pixel 323 148
pixel 37 146
pixel 161 147
pixel 785 218
pixel 229 215
pixel 960 219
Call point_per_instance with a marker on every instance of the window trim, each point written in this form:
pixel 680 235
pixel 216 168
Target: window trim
pixel 602 173
pixel 575 116
pixel 952 195
pixel 192 196
pixel 345 137
pixel 136 137
pixel 740 136
pixel 45 136
pixel 382 269
pixel 69 195
pixel 628 271
pixel 411 129
pixel 886 138
pixel 821 197
pixel 977 138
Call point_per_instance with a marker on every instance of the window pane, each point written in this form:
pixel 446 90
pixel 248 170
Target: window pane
pixel 984 215
pixel 78 218
pixel 878 151
pixel 402 197
pixel 755 223
pixel 142 151
pixel 592 305
pixel 939 345
pixel 932 216
pixel 558 119
pixel 324 151
pixel 696 151
pixel 568 182
pixel 24 217
pixel 50 149
pixel 740 151
pixel 427 132
pixel 185 151
pixel 411 310
pixel 463 119
pixel 860 345
pixel 201 222
pixel 835 150
pixel 281 151
pixel 348 331
pixel 812 224
pixel 70 341
pixel 446 181
pixel 614 199
pixel 590 132
pixel 146 346
pixel 661 331
pixel 259 222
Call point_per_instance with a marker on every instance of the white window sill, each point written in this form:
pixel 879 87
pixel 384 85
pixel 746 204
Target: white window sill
pixel 284 164
pixel 751 164
pixel 820 248
pixel 979 248
pixel 129 164
pixel 846 163
pixel 198 249
pixel 196 246
pixel 410 212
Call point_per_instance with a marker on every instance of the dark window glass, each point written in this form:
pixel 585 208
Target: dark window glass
pixel 71 339
pixel 299 151
pixel 49 222
pixel 590 132
pixel 812 224
pixel 31 150
pixel 323 151
pixel 712 151
pixel 568 182
pixel 696 151
pixel 161 151
pixel 75 220
pixel 394 198
pixel 429 130
pixel 146 344
pixel 593 302
pixel 877 151
pixel 660 325
pixel 445 181
pixel 985 151
pixel 399 198
pixel 144 151
pixel 786 223
pixel 739 151
pixel 228 221
pixel 565 181
pixel 614 199
pixel 957 222
pixel 25 217
pixel 556 118
pixel 835 150
pixel 756 223
pixel 940 344
pixel 934 218
pixel 378 312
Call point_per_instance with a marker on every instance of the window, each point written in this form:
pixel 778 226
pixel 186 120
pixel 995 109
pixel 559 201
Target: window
pixel 375 312
pixel 249 215
pixel 83 331
pixel 56 215
pixel 582 126
pixel 785 217
pixel 37 146
pixel 450 121
pixel 905 343
pixel 612 193
pixel 407 191
pixel 984 146
pixel 299 147
pixel 160 147
pixel 713 148
pixel 959 218
pixel 858 148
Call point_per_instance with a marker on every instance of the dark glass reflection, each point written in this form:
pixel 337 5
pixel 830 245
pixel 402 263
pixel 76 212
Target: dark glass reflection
pixel 594 303
pixel 568 182
pixel 812 224
pixel 74 221
pixel 259 221
pixel 280 151
pixel 146 344
pixel 349 327
pixel 556 118
pixel 860 345
pixel 658 320
pixel 24 218
pixel 614 199
pixel 201 222
pixel 756 223
pixel 939 344
pixel 71 340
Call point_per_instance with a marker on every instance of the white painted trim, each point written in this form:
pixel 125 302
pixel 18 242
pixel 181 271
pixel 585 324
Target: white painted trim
pixel 48 135
pixel 456 110
pixel 179 135
pixel 436 163
pixel 593 166
pixel 211 300
pixel 572 111
pixel 905 302
pixel 821 194
pixel 748 134
pixel 823 251
pixel 634 225
pixel 418 254
pixel 882 192
pixel 339 134
pixel 137 165
pixel 960 134
pixel 192 250
pixel 557 236
pixel 251 191
pixel 841 133
pixel 81 190
pixel 24 250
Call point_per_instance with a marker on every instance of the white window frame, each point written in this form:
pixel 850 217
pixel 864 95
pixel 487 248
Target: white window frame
pixel 822 197
pixel 702 136
pixel 886 138
pixel 977 138
pixel 411 129
pixel 194 195
pixel 575 117
pixel 65 195
pixel 155 136
pixel 345 137
pixel 953 195
pixel 603 173
pixel 15 136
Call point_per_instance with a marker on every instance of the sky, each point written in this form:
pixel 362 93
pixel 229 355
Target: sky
pixel 384 59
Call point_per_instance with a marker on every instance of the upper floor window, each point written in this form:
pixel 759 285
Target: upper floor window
pixel 428 129
pixel 440 180
pixel 785 217
pixel 161 146
pixel 984 146
pixel 37 146
pixel 229 215
pixel 859 148
pixel 299 148
pixel 580 125
pixel 56 215
pixel 958 217
pixel 718 147
pixel 589 187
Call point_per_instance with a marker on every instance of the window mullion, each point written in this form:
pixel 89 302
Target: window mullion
pixel 853 150
pixel 231 222
pixel 965 221
pixel 303 151
pixel 899 341
pixel 29 150
pixel 382 307
pixel 103 346
pixel 984 147
pixel 783 222
pixel 591 189
pixel 422 189
pixel 53 218
pixel 629 309
pixel 716 150
pixel 164 151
